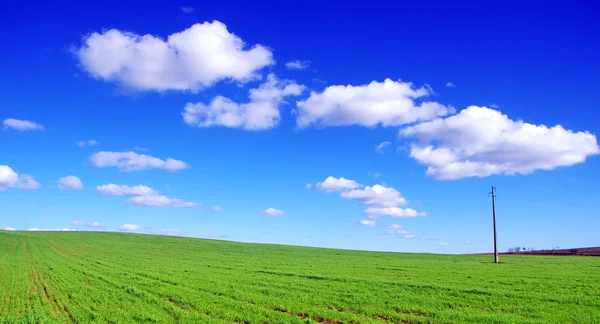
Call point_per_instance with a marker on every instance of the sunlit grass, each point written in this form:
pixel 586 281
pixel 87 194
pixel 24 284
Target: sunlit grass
pixel 84 277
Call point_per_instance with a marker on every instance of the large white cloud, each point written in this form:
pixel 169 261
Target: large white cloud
pixel 160 201
pixel 189 60
pixel 132 161
pixel 376 195
pixel 117 190
pixel 387 103
pixel 332 184
pixel 10 179
pixel 481 141
pixel 21 125
pixel 261 112
pixel 70 182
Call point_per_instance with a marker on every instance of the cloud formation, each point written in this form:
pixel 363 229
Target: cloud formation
pixel 144 196
pixel 10 179
pixel 93 225
pixel 381 146
pixel 21 125
pixel 480 141
pixel 90 142
pixel 368 223
pixel 217 208
pixel 117 190
pixel 297 65
pixel 272 212
pixel 129 227
pixel 261 112
pixel 69 182
pixel 332 184
pixel 132 161
pixel 189 60
pixel 387 103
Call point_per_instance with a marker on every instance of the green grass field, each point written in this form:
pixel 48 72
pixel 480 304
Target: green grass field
pixel 84 277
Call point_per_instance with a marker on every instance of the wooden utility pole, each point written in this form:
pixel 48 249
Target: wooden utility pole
pixel 493 193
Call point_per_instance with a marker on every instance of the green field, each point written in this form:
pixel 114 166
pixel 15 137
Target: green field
pixel 84 277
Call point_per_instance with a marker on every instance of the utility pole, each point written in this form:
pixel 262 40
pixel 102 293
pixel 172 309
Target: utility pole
pixel 493 193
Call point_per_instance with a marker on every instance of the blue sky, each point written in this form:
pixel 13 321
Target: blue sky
pixel 242 106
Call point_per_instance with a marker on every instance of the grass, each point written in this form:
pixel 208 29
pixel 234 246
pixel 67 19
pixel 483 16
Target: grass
pixel 64 277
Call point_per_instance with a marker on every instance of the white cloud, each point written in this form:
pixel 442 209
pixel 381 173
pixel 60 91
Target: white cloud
pixel 381 146
pixel 94 225
pixel 21 125
pixel 272 212
pixel 408 236
pixel 332 184
pixel 170 232
pixel 10 179
pixel 308 185
pixel 480 141
pixel 217 208
pixel 189 60
pixel 129 227
pixel 444 243
pixel 188 9
pixel 377 195
pixel 35 229
pixel 450 84
pixel 297 65
pixel 369 223
pixel 375 174
pixel 387 103
pixel 117 190
pixel 70 182
pixel 132 161
pixel 8 228
pixel 375 212
pixel 395 226
pixel 87 143
pixel 160 201
pixel 396 229
pixel 261 112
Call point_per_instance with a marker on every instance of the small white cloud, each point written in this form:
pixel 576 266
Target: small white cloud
pixel 132 161
pixel 308 185
pixel 70 182
pixel 192 59
pixel 129 227
pixel 444 243
pixel 94 225
pixel 375 174
pixel 395 226
pixel 260 113
pixel 87 143
pixel 387 103
pixel 188 9
pixel 480 141
pixel 381 146
pixel 170 232
pixel 217 208
pixel 21 125
pixel 369 223
pixel 375 212
pixel 332 184
pixel 450 84
pixel 160 201
pixel 272 212
pixel 116 190
pixel 10 179
pixel 8 228
pixel 297 65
